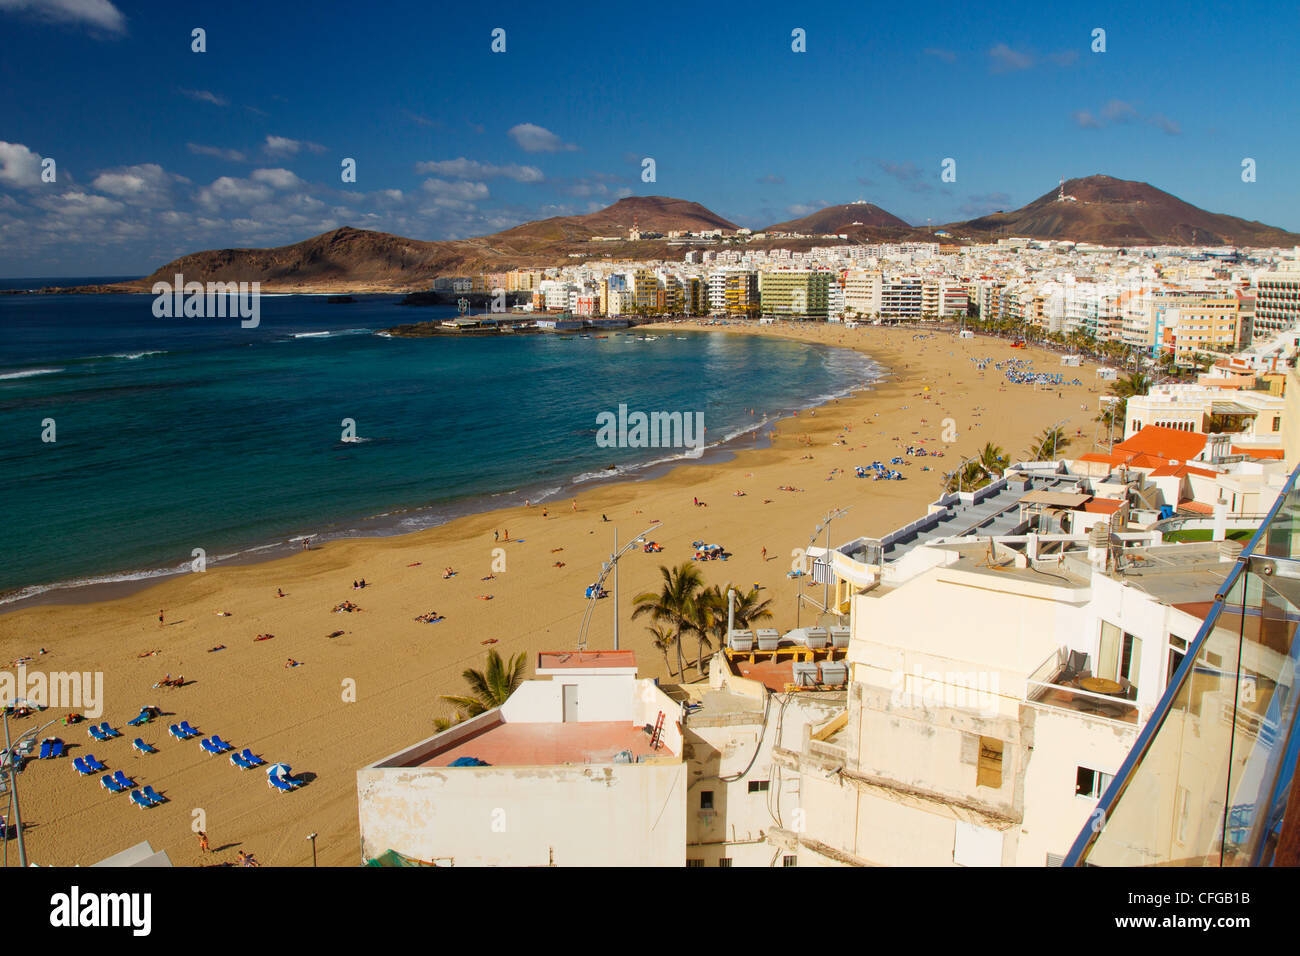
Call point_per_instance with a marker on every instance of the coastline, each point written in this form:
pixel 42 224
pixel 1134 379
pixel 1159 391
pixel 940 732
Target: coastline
pixel 111 585
pixel 398 668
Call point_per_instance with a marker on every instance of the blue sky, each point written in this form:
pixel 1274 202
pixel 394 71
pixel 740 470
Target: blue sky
pixel 160 150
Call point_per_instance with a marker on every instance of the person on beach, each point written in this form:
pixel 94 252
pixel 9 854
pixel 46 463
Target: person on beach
pixel 279 593
pixel 575 504
pixel 160 617
pixel 507 534
pixel 765 554
pixel 203 843
pixel 496 535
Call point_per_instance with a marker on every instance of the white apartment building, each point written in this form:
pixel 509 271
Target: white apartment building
pixel 579 767
pixel 1277 301
pixel 992 696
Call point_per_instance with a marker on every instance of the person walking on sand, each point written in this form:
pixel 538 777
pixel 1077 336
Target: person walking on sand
pixel 507 534
pixel 203 843
pixel 575 504
pixel 496 535
pixel 160 617
pixel 765 554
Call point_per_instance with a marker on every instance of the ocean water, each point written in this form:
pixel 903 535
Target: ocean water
pixel 177 434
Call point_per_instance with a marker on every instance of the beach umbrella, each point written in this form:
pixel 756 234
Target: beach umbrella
pixel 279 770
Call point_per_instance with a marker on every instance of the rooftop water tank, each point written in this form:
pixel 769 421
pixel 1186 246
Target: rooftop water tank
pixel 839 636
pixel 805 674
pixel 767 639
pixel 741 640
pixel 816 637
pixel 834 673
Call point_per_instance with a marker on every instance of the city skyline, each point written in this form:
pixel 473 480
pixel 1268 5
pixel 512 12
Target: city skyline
pixel 161 151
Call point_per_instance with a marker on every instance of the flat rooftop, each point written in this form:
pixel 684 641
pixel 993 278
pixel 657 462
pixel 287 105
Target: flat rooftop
pixel 543 744
pixel 584 660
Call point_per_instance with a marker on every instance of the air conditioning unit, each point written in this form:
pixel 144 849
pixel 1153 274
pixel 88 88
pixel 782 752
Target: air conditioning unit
pixel 768 639
pixel 840 636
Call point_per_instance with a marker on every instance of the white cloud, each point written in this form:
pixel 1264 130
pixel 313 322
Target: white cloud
pixel 99 14
pixel 145 183
pixel 217 152
pixel 283 146
pixel 463 191
pixel 19 166
pixel 228 189
pixel 206 96
pixel 472 169
pixel 536 139
pixel 78 203
pixel 277 178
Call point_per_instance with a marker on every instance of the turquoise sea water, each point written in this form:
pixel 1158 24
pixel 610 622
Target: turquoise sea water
pixel 176 434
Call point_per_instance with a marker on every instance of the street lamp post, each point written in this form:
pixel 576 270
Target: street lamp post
pixel 609 566
pixel 312 837
pixel 13 782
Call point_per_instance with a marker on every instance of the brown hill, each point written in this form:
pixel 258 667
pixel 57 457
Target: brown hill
pixel 834 220
pixel 358 259
pixel 1121 212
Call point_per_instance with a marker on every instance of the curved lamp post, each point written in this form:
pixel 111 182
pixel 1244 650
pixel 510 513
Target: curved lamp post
pixel 605 569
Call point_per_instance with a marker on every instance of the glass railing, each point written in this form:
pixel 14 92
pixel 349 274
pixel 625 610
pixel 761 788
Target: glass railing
pixel 1208 780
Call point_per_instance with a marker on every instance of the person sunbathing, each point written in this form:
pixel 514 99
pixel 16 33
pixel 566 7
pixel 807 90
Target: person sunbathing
pixel 291 663
pixel 219 647
pixel 485 597
pixel 558 564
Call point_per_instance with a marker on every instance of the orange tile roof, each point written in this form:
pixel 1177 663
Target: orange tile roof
pixel 1164 443
pixel 1181 471
pixel 1103 458
pixel 1198 507
pixel 1103 506
pixel 1258 452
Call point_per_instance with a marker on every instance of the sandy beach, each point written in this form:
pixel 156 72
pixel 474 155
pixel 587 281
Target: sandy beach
pixel 375 688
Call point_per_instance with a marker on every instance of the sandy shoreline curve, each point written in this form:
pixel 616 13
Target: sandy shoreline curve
pixel 375 687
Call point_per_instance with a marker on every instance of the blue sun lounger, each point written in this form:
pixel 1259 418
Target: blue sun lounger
pixel 142 718
pixel 108 731
pixel 108 783
pixel 79 765
pixel 188 730
pixel 223 744
pixel 56 747
pixel 123 779
pixel 154 795
pixel 140 800
pixel 93 763
pixel 239 761
pixel 251 758
pixel 143 747
pixel 95 732
pixel 46 750
pixel 281 783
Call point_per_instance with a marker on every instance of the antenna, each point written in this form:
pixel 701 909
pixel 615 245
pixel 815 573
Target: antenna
pixel 1060 195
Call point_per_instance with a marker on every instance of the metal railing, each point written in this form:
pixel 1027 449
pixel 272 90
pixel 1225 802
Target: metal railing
pixel 1207 782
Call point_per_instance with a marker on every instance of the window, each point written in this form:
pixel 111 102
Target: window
pixel 724 861
pixel 789 860
pixel 1091 783
pixel 989 772
pixel 759 786
pixel 706 799
pixel 1277 422
pixel 1119 655
pixel 695 863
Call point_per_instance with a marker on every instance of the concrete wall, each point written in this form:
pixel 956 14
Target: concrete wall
pixel 1063 743
pixel 614 815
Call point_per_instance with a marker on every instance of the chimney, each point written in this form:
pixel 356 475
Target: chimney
pixel 1099 546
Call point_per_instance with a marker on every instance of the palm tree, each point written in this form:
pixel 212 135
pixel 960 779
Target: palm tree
pixel 489 687
pixel 663 639
pixel 674 604
pixel 990 458
pixel 708 620
pixel 1052 440
pixel 968 477
pixel 749 609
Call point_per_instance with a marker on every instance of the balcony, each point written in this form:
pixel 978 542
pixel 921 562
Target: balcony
pixel 1211 776
pixel 1063 682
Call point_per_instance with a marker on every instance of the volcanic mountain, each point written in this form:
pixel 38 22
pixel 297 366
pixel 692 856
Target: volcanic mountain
pixel 1114 212
pixel 834 220
pixel 357 259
